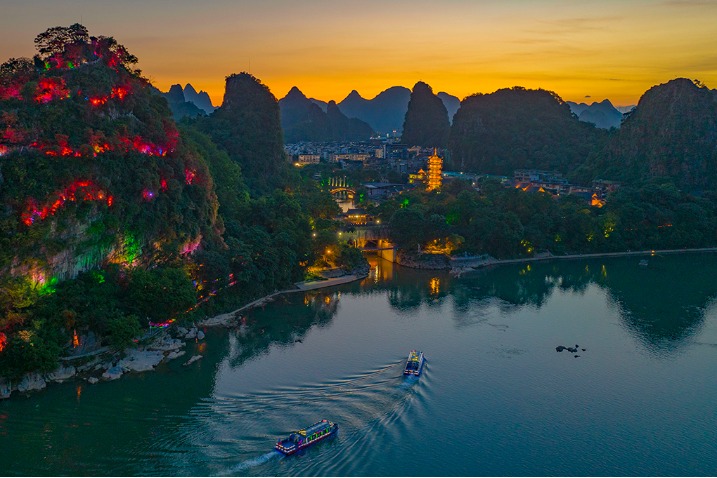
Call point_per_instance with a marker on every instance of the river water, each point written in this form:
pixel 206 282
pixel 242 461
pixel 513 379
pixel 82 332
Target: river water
pixel 495 397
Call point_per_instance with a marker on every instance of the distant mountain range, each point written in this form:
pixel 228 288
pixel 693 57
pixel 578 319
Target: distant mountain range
pixel 303 119
pixel 603 114
pixel 387 111
pixel 187 102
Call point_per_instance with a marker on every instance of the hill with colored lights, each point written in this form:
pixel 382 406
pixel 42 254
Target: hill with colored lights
pixel 93 166
pixel 114 218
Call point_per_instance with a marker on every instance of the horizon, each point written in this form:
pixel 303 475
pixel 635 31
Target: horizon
pixel 584 53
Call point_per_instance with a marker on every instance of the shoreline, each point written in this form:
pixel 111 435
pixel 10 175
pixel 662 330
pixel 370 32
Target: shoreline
pixel 164 347
pixel 458 270
pixel 104 365
pixel 223 320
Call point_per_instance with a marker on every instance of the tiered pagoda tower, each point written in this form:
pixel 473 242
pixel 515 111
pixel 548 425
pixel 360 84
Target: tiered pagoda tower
pixel 435 168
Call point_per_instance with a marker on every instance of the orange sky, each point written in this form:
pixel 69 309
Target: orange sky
pixel 582 50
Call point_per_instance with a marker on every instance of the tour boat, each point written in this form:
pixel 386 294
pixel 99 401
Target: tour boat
pixel 414 364
pixel 306 437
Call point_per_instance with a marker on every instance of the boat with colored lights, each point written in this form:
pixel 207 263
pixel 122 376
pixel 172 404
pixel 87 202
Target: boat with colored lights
pixel 306 437
pixel 414 363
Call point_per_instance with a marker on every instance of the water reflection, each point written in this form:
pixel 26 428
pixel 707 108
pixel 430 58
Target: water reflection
pixel 662 305
pixel 285 325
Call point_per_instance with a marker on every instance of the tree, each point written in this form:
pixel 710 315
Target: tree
pixel 123 330
pixel 56 39
pixel 16 69
pixel 160 293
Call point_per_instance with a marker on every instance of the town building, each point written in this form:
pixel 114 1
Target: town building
pixel 304 159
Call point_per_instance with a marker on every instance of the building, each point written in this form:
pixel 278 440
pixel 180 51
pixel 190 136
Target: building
pixel 305 159
pixel 378 191
pixel 537 176
pixel 417 177
pixel 357 217
pixel 435 169
pixel 362 157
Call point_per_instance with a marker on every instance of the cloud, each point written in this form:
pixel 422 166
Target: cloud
pixel 687 3
pixel 567 26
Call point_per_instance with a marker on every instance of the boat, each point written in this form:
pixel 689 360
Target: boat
pixel 305 437
pixel 414 363
pixel 643 263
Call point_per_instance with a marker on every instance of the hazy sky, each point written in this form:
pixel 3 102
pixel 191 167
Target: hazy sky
pixel 584 50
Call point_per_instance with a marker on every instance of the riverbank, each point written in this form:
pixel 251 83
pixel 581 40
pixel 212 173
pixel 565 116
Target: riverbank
pixel 461 266
pixel 160 346
pixel 227 319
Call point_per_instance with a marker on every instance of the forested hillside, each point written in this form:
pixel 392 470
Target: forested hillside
pixel 113 216
pixel 672 133
pixel 518 128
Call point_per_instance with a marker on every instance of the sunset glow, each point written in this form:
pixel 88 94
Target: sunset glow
pixel 580 50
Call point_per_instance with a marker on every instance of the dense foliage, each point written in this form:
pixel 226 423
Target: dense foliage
pixel 672 132
pixel 507 222
pixel 248 127
pixel 517 128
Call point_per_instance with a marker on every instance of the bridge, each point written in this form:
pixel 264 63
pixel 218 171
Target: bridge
pixel 371 239
pixel 340 188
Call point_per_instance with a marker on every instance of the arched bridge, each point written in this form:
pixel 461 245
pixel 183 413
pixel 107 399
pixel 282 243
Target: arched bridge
pixel 340 188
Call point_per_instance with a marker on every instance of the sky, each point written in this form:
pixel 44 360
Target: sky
pixel 583 50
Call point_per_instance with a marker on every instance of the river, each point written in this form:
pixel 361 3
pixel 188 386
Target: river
pixel 495 397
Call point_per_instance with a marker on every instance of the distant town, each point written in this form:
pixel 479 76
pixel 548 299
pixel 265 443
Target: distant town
pixel 411 165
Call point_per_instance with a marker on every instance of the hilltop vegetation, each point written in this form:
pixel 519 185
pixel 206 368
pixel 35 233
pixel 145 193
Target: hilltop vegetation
pixel 518 128
pixel 672 133
pixel 426 120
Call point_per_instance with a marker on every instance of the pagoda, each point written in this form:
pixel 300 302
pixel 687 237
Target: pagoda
pixel 435 167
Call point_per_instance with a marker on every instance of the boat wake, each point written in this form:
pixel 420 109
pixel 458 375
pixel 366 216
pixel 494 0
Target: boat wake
pixel 254 462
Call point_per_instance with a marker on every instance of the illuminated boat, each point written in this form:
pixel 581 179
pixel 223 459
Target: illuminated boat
pixel 414 363
pixel 306 437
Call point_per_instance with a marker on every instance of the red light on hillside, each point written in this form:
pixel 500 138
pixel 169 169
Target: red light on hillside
pixel 120 92
pixel 8 92
pixel 79 190
pixel 98 101
pixel 49 89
